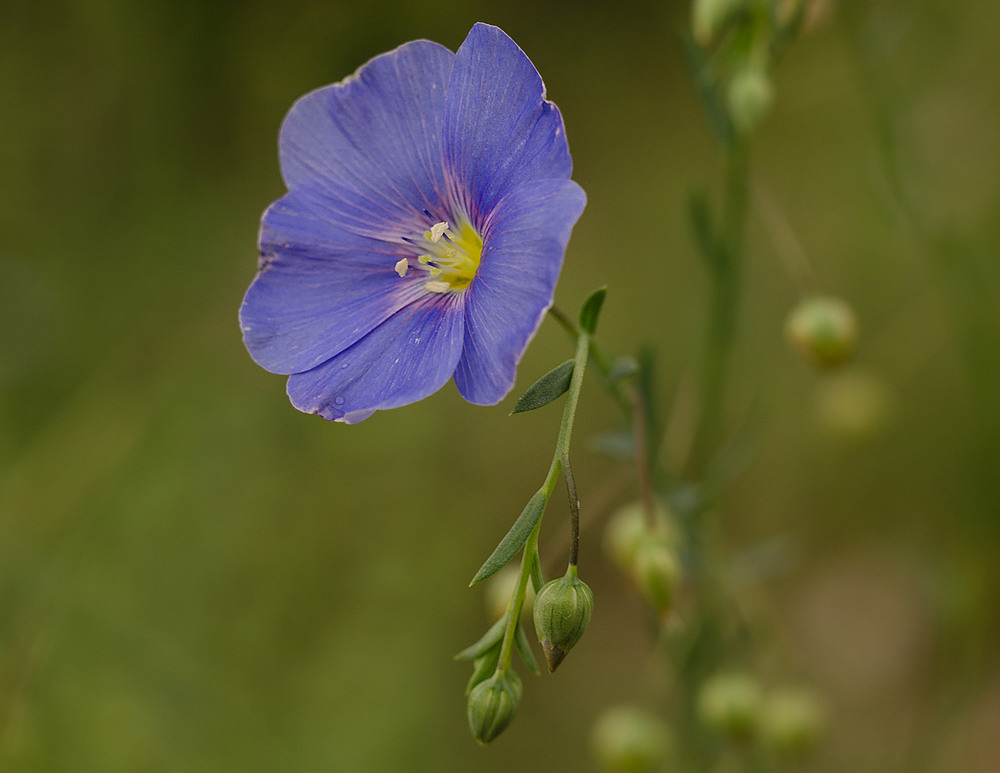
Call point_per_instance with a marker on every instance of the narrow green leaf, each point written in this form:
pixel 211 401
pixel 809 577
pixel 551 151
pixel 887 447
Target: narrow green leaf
pixel 537 581
pixel 708 91
pixel 525 649
pixel 550 386
pixel 487 640
pixel 647 388
pixel 701 224
pixel 623 367
pixel 483 667
pixel 591 310
pixel 514 540
pixel 618 444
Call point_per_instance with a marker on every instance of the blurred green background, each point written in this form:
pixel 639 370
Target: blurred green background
pixel 195 577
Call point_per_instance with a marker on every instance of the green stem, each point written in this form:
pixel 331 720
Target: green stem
pixel 721 333
pixel 560 463
pixel 603 360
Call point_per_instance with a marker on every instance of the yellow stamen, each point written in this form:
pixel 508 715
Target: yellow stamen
pixel 451 256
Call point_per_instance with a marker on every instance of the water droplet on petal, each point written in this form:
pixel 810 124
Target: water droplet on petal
pixel 338 400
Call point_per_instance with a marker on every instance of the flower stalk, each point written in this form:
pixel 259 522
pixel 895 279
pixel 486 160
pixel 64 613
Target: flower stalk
pixel 560 463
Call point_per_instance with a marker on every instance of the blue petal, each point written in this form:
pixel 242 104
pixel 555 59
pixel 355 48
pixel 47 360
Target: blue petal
pixel 499 130
pixel 405 359
pixel 319 290
pixel 370 145
pixel 525 239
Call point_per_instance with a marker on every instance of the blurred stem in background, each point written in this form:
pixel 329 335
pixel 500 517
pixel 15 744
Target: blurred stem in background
pixel 715 709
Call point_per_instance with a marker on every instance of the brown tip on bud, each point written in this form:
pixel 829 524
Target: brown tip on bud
pixel 553 655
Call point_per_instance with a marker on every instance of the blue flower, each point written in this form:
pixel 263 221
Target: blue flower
pixel 428 209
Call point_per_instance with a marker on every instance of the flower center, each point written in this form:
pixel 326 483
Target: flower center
pixel 449 255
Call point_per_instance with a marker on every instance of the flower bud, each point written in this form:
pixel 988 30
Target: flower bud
pixel 563 608
pixel 709 17
pixel 749 97
pixel 824 330
pixel 630 740
pixel 630 525
pixel 656 570
pixel 492 705
pixel 730 704
pixel 855 406
pixel 793 722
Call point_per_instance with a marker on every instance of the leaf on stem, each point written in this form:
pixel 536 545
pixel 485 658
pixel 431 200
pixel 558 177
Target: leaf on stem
pixel 514 540
pixel 708 91
pixel 521 639
pixel 550 386
pixel 487 640
pixel 591 310
pixel 701 225
pixel 617 444
pixel 483 667
pixel 537 581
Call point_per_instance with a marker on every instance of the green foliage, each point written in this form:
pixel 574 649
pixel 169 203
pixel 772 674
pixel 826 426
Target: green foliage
pixel 514 540
pixel 185 558
pixel 590 311
pixel 549 387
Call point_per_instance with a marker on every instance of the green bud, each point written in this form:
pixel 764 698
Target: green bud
pixel 630 525
pixel 709 17
pixel 749 97
pixel 731 705
pixel 793 722
pixel 854 406
pixel 492 705
pixel 656 570
pixel 563 608
pixel 627 739
pixel 824 330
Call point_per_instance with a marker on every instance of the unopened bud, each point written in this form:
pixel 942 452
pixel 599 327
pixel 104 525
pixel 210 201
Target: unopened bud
pixel 854 406
pixel 492 705
pixel 709 17
pixel 749 97
pixel 793 722
pixel 730 704
pixel 824 330
pixel 656 570
pixel 627 739
pixel 630 525
pixel 563 608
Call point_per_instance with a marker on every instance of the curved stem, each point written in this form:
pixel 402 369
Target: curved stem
pixel 604 361
pixel 560 463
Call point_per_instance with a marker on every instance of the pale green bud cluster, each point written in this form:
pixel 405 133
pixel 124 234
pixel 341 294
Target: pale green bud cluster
pixel 823 330
pixel 492 705
pixel 563 608
pixel 793 722
pixel 788 721
pixel 854 406
pixel 749 97
pixel 731 704
pixel 710 17
pixel 645 549
pixel 627 739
